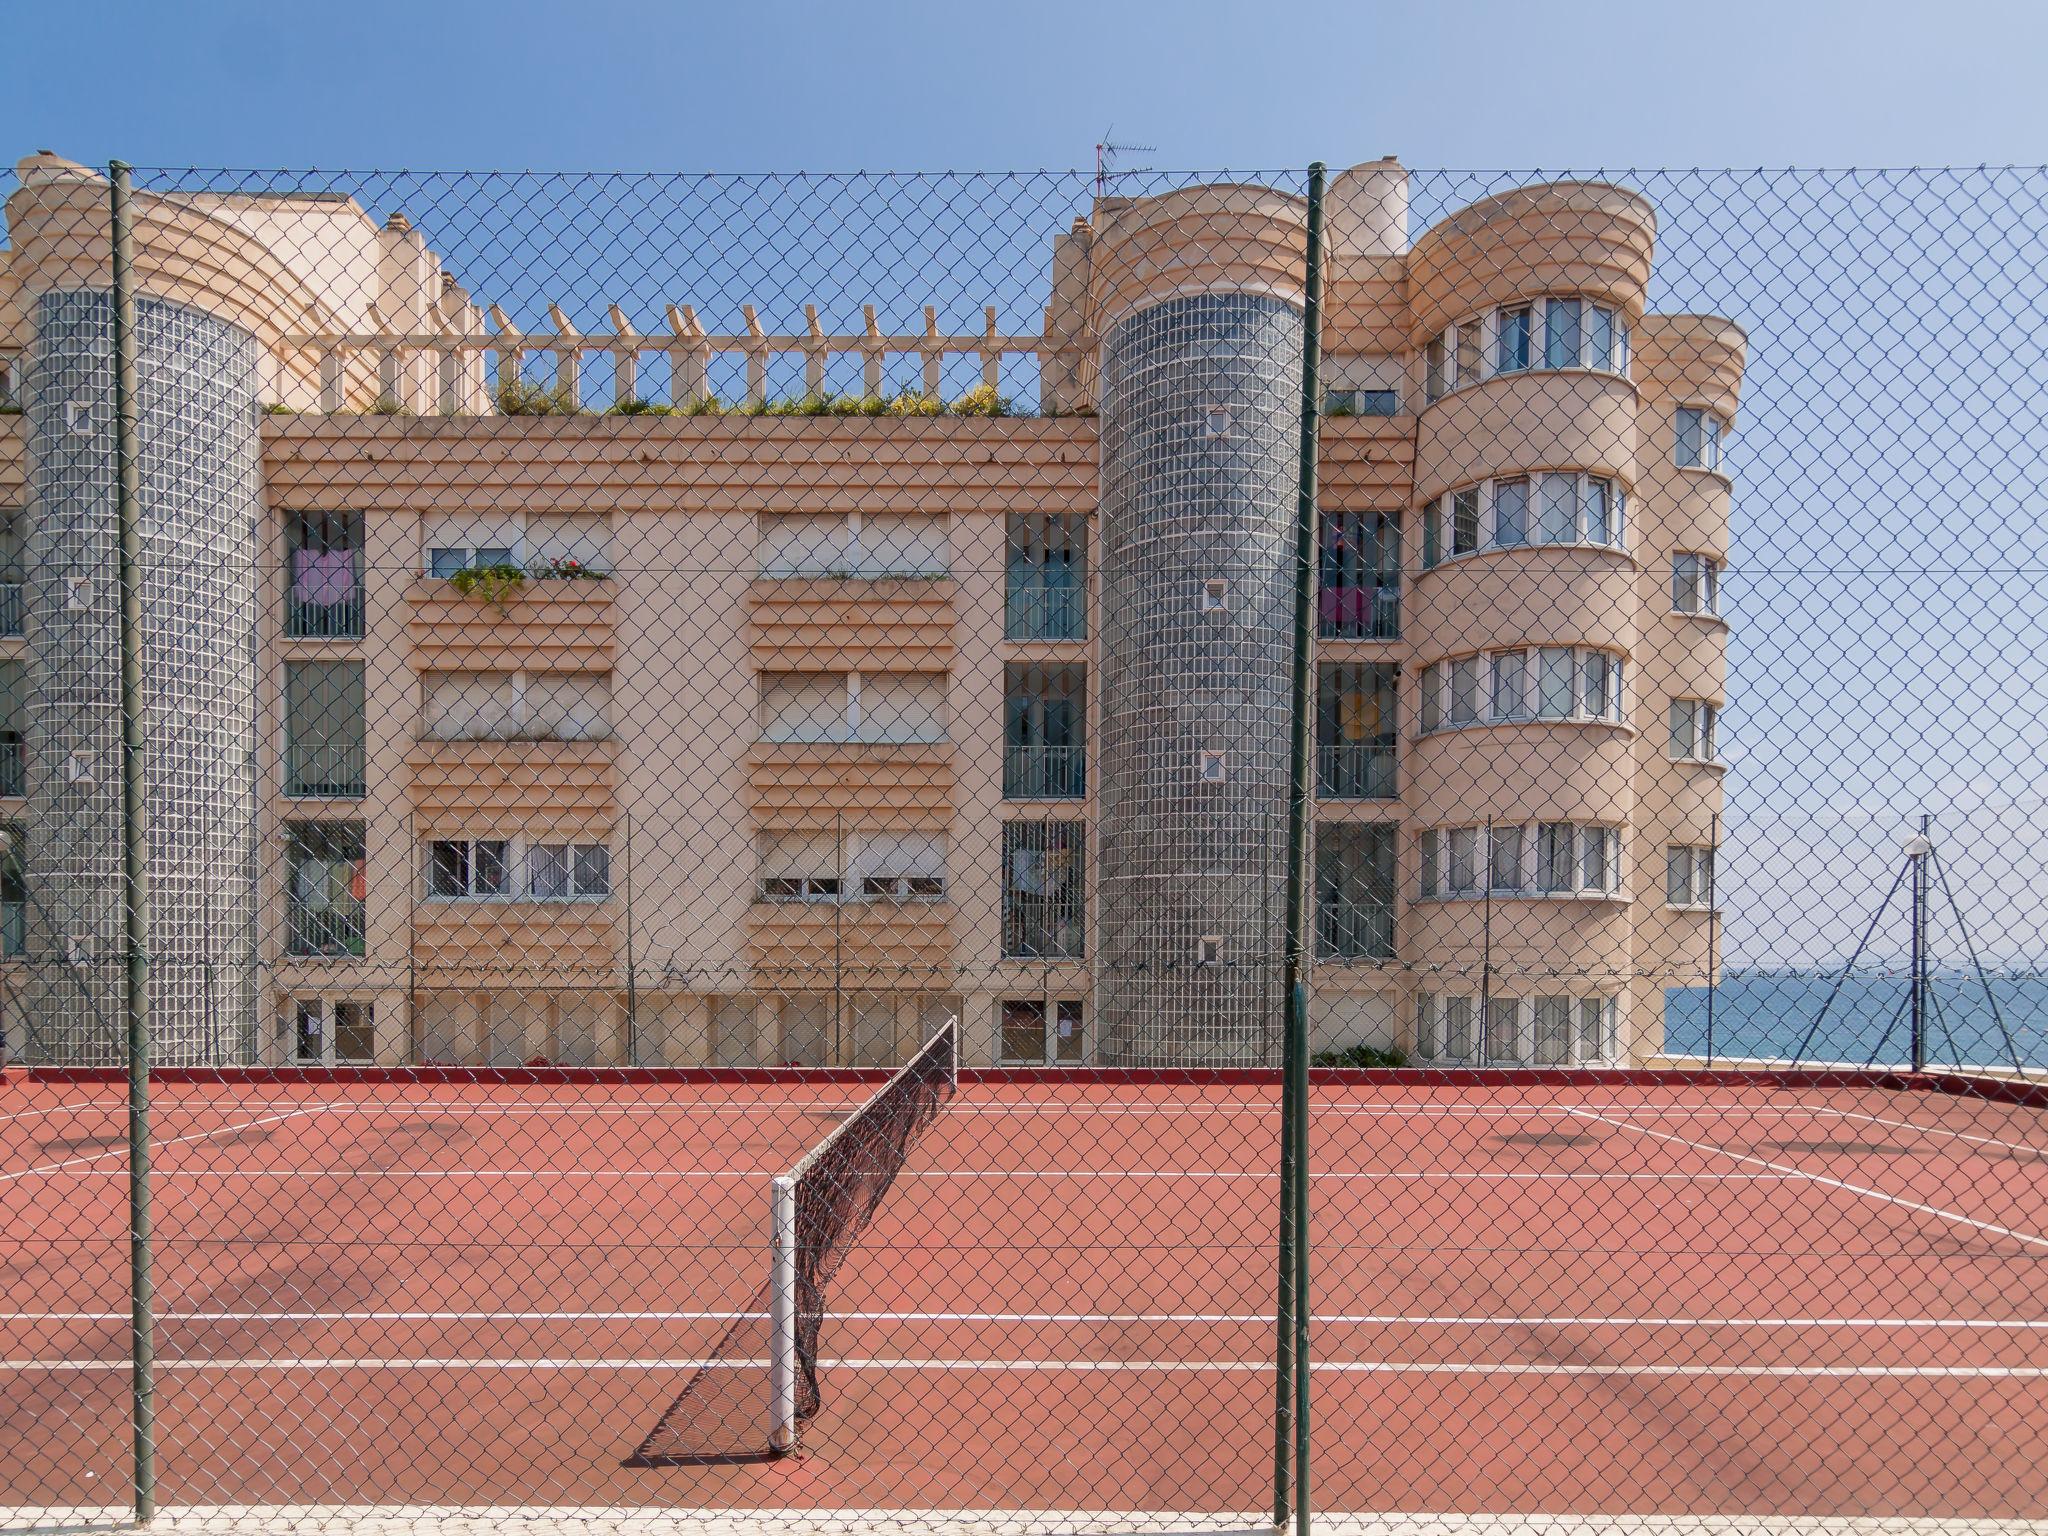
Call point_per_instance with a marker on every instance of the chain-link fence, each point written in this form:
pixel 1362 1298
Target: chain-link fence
pixel 905 849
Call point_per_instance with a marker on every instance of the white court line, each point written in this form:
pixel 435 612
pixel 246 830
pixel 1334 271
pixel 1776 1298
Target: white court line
pixel 1914 1125
pixel 1056 1367
pixel 1337 1174
pixel 155 1146
pixel 1354 1319
pixel 2029 1238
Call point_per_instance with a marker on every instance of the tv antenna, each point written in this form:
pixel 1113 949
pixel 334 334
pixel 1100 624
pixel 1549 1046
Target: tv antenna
pixel 1105 157
pixel 1922 867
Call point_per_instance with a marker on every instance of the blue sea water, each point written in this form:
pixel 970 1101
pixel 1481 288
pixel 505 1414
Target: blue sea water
pixel 1774 1014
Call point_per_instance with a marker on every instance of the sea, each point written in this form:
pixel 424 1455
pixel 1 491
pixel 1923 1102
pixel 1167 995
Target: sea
pixel 1998 1020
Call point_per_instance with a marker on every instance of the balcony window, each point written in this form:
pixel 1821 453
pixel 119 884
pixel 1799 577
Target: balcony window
pixel 1562 344
pixel 1689 876
pixel 1526 859
pixel 10 570
pixel 13 894
pixel 13 717
pixel 1036 1033
pixel 1044 890
pixel 324 879
pixel 1693 726
pixel 323 723
pixel 1045 581
pixel 1545 683
pixel 867 545
pixel 1562 332
pixel 1355 731
pixel 1360 576
pixel 1695 585
pixel 1355 891
pixel 324 599
pixel 1511 339
pixel 1697 439
pixel 1568 508
pixel 852 707
pixel 516 706
pixel 1045 711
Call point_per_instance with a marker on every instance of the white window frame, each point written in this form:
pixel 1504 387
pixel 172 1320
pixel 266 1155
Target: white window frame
pixel 1439 516
pixel 1690 866
pixel 1711 431
pixel 1513 1019
pixel 1704 576
pixel 1526 707
pixel 853 883
pixel 1517 849
pixel 1448 367
pixel 324 1008
pixel 1704 725
pixel 520 859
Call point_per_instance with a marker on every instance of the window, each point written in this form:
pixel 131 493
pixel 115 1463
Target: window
pixel 1355 730
pixel 1697 435
pixel 1529 859
pixel 1692 730
pixel 542 544
pixel 1036 1033
pixel 1359 572
pixel 869 545
pixel 1511 339
pixel 1361 402
pixel 1547 683
pixel 517 706
pixel 324 551
pixel 324 888
pixel 13 892
pixel 1689 876
pixel 1435 380
pixel 1562 345
pixel 1695 584
pixel 1045 711
pixel 329 1031
pixel 568 871
pixel 1545 1031
pixel 10 569
pixel 1504 1043
pixel 460 868
pixel 1044 892
pixel 13 712
pixel 1045 583
pixel 865 866
pixel 323 724
pixel 1569 508
pixel 878 707
pixel 1355 891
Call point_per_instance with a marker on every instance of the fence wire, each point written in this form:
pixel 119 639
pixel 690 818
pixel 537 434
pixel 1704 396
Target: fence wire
pixel 625 661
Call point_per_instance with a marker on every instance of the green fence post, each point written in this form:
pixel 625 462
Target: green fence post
pixel 134 867
pixel 1292 1346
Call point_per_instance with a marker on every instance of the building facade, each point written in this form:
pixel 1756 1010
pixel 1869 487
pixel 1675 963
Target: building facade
pixel 500 719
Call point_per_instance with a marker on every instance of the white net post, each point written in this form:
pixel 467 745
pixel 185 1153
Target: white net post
pixel 782 1364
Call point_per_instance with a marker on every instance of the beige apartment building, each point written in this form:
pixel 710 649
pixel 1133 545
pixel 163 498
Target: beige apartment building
pixel 799 733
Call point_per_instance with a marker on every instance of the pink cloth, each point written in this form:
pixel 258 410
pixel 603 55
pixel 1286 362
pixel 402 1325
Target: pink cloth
pixel 323 576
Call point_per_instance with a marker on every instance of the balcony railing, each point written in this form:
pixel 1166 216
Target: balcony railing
pixel 13 773
pixel 1359 613
pixel 1355 930
pixel 1044 773
pixel 1356 771
pixel 13 928
pixel 324 771
pixel 10 606
pixel 338 620
pixel 336 930
pixel 1038 611
pixel 1043 929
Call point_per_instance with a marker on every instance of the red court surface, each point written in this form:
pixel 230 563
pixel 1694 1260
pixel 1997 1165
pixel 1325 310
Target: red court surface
pixel 1605 1296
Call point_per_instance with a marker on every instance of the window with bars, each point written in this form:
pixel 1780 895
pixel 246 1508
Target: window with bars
pixel 1359 595
pixel 1045 576
pixel 324 576
pixel 1045 713
pixel 325 888
pixel 324 726
pixel 1044 890
pixel 1355 890
pixel 1356 730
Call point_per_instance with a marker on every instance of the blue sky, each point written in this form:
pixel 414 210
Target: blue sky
pixel 640 85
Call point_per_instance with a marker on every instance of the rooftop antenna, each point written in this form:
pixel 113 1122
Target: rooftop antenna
pixel 1105 158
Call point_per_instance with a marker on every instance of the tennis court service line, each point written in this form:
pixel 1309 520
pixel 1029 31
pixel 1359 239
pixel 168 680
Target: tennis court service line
pixel 157 1146
pixel 1376 1175
pixel 2032 1240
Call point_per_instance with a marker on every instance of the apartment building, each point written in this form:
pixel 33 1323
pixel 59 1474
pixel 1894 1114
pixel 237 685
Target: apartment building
pixel 497 719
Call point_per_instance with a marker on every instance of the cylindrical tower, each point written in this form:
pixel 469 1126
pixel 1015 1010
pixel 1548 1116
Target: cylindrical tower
pixel 1198 299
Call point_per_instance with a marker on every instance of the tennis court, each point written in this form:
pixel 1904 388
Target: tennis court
pixel 1610 1294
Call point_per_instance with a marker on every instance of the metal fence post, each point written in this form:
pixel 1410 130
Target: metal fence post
pixel 134 866
pixel 1291 1346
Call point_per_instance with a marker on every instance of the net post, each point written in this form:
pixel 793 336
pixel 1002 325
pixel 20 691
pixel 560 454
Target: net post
pixel 134 868
pixel 782 1364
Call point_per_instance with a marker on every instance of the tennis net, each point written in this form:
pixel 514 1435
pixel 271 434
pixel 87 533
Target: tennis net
pixel 818 1210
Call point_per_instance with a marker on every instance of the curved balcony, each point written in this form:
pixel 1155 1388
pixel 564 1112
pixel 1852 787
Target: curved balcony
pixel 1537 594
pixel 1533 770
pixel 1512 423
